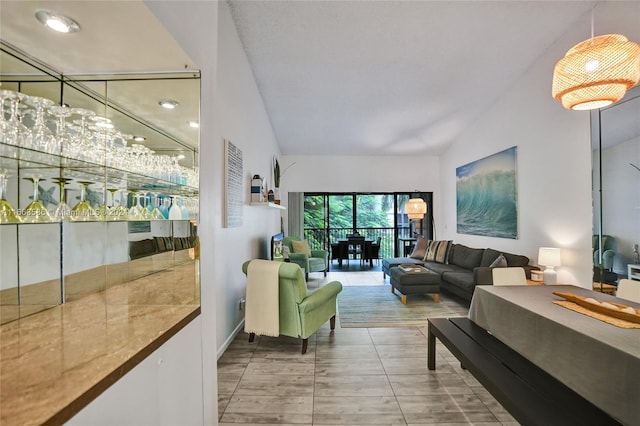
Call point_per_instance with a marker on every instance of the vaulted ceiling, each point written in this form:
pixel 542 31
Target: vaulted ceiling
pixel 398 77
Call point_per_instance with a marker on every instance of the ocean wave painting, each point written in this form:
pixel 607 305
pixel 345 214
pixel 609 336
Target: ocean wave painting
pixel 487 196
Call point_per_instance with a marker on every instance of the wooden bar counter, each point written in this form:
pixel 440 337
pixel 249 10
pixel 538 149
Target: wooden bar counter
pixel 53 363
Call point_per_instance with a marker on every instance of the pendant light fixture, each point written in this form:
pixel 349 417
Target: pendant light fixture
pixel 415 208
pixel 596 72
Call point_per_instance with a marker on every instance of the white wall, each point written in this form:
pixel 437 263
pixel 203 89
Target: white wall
pixel 241 118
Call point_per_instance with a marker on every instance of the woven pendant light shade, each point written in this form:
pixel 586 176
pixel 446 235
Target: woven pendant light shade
pixel 596 72
pixel 415 208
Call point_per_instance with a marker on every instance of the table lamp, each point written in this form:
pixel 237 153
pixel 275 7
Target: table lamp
pixel 549 257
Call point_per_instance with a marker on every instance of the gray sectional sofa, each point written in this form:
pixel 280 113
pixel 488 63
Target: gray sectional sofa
pixel 464 268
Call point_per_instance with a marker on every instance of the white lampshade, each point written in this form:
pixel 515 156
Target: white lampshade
pixel 415 208
pixel 549 256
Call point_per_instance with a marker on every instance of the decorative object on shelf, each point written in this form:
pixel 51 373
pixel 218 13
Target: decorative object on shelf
pixel 276 181
pixel 550 258
pixel 486 188
pixel 270 197
pixel 596 72
pixel 257 189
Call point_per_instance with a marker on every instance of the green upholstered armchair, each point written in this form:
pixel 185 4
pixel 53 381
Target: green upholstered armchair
pixel 317 262
pixel 608 252
pixel 303 312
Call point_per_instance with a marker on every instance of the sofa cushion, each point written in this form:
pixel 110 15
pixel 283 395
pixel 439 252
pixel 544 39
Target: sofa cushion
pixel 490 255
pixel 441 267
pixel 438 251
pixel 516 259
pixel 500 262
pixel 420 249
pixel 466 257
pixel 463 280
pixel 301 247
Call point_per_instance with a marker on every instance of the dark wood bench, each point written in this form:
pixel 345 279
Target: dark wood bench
pixel 532 396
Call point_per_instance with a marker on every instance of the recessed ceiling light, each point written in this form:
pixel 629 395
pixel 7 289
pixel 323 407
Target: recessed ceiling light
pixel 139 138
pixel 57 21
pixel 180 157
pixel 194 124
pixel 168 103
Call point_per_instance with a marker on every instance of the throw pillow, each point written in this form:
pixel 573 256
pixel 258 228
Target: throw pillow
pixel 500 262
pixel 420 249
pixel 301 247
pixel 438 251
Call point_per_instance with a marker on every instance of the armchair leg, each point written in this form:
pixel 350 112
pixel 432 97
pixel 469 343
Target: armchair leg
pixel 305 342
pixel 325 273
pixel 332 322
pixel 251 337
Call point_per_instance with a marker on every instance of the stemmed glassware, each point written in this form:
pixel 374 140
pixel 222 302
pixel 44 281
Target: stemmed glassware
pixel 12 131
pixel 154 202
pixel 41 137
pixel 7 212
pixel 63 138
pixel 135 211
pixel 62 211
pixel 35 211
pixel 80 143
pixel 102 210
pixel 83 210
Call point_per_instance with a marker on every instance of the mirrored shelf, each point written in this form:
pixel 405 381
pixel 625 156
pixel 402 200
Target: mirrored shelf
pixel 25 160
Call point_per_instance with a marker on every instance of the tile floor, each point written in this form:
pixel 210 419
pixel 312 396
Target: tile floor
pixel 351 376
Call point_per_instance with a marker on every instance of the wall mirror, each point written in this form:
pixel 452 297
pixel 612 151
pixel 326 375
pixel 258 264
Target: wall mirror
pixel 616 189
pixel 127 170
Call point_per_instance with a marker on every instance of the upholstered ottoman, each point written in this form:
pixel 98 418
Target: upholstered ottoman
pixel 417 280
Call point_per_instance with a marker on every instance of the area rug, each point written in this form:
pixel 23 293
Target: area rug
pixel 376 306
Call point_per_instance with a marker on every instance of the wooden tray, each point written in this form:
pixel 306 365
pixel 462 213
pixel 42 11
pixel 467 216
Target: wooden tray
pixel 579 300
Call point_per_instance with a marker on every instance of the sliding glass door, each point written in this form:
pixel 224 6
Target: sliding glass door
pixel 332 216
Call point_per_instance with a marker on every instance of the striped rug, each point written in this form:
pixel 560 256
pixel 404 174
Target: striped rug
pixel 376 306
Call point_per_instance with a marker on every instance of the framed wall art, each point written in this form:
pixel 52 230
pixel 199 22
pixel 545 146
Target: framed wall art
pixel 233 174
pixel 487 196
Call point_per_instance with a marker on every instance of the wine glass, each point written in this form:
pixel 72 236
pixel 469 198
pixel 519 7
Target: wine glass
pixel 80 143
pixel 156 214
pixel 63 138
pixel 62 211
pixel 121 212
pixel 112 209
pixel 36 211
pixel 135 211
pixel 41 137
pixel 7 212
pixel 102 210
pixel 12 130
pixel 83 210
pixel 164 206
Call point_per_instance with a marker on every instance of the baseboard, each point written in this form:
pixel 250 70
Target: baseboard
pixel 233 335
